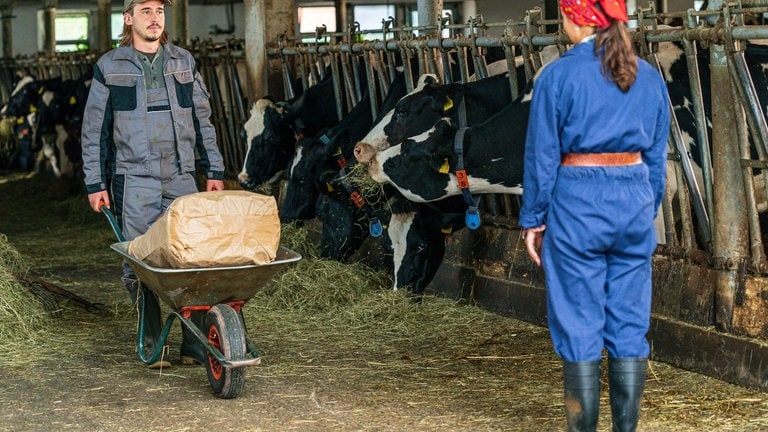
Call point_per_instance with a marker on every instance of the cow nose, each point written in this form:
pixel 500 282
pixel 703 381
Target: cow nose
pixel 363 152
pixel 373 167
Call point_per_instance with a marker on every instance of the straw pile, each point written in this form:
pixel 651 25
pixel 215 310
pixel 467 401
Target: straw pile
pixel 22 316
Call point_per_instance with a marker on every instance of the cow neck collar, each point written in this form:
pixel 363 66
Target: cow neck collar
pixel 472 215
pixel 375 229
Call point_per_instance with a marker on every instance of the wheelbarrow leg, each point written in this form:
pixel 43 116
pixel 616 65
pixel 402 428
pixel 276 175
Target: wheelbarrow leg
pixel 192 351
pixel 153 326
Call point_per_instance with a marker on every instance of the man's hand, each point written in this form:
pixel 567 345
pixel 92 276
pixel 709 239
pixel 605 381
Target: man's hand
pixel 98 199
pixel 214 185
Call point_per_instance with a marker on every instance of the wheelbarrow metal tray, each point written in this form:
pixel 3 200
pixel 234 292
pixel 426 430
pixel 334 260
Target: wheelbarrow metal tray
pixel 206 285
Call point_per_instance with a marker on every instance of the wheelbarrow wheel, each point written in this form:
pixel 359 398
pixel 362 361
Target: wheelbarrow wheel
pixel 226 333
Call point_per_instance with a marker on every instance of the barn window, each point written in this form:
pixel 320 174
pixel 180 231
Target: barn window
pixel 71 31
pixel 312 17
pixel 370 18
pixel 116 27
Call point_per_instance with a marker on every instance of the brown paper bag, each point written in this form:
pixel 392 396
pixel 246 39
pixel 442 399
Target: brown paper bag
pixel 212 229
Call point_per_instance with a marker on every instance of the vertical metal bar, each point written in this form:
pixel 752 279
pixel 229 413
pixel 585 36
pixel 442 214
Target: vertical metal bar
pixel 432 66
pixel 447 75
pixel 372 97
pixel 755 236
pixel 668 217
pixel 405 56
pixel 381 72
pixel 346 75
pixel 302 58
pixel 509 54
pixel 697 100
pixel 461 54
pixel 702 217
pixel 755 118
pixel 337 85
pixel 729 245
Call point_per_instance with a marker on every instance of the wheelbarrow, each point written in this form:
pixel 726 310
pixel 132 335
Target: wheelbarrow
pixel 219 291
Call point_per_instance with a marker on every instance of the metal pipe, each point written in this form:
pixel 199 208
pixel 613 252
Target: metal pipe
pixel 697 100
pixel 369 72
pixel 337 86
pixel 755 238
pixel 729 245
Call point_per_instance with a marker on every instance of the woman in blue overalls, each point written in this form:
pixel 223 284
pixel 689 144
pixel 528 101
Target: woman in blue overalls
pixel 595 165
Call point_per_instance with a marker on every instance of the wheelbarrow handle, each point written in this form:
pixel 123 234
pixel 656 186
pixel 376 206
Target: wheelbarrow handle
pixel 112 222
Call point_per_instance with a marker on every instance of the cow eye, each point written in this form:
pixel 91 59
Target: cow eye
pixel 401 114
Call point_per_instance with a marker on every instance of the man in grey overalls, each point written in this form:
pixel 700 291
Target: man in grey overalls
pixel 146 117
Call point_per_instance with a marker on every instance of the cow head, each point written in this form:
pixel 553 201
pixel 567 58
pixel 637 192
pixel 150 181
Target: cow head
pixel 412 114
pixel 269 141
pixel 301 192
pixel 345 228
pixel 417 239
pixel 23 97
pixel 419 167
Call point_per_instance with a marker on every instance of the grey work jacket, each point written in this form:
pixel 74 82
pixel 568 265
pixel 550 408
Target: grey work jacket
pixel 114 134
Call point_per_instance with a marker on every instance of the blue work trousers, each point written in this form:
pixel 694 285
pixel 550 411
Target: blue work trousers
pixel 596 256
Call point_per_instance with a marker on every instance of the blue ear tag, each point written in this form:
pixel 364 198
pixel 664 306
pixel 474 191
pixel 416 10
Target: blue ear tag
pixel 472 218
pixel 375 228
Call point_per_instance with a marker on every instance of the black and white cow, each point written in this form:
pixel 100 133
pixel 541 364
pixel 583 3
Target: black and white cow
pixel 317 161
pixel 272 129
pixel 424 168
pixel 418 111
pixel 54 110
pixel 416 235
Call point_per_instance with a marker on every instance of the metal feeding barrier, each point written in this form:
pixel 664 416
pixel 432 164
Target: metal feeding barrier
pixel 698 210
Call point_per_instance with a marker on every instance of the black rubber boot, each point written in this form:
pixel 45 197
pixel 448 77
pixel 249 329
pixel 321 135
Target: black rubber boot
pixel 626 378
pixel 131 285
pixel 582 395
pixel 192 351
pixel 153 326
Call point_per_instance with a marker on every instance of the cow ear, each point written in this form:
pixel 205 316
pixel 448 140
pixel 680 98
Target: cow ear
pixel 426 80
pixel 442 103
pixel 444 127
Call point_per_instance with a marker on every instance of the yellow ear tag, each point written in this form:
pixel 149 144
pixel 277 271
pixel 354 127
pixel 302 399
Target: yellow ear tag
pixel 72 100
pixel 448 104
pixel 445 167
pixel 330 188
pixel 32 108
pixel 40 90
pixel 446 230
pixel 20 120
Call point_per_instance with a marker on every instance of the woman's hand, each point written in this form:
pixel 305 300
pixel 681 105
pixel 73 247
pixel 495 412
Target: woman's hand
pixel 533 237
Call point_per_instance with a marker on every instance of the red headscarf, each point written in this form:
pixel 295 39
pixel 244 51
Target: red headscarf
pixel 585 13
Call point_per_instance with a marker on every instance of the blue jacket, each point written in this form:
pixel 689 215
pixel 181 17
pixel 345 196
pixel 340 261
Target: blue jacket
pixel 114 134
pixel 575 109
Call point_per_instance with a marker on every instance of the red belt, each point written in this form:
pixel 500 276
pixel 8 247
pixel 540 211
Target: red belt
pixel 601 159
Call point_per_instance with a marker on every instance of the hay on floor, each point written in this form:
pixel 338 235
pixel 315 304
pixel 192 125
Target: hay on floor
pixel 22 316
